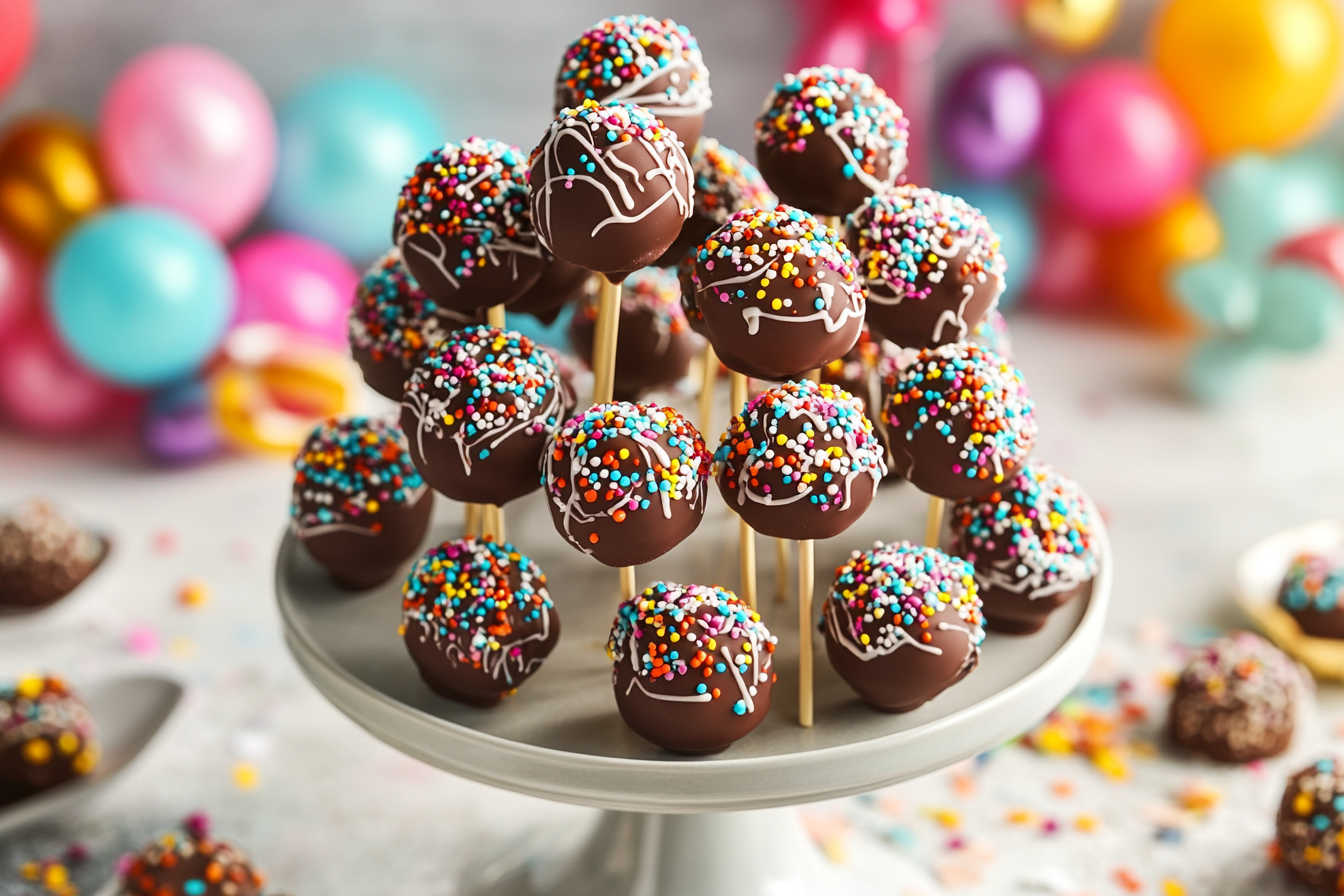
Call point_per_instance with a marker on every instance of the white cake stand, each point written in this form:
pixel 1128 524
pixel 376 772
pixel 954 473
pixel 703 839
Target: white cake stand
pixel 674 826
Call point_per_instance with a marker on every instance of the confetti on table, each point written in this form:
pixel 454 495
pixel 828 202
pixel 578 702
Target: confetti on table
pixel 246 776
pixel 164 541
pixel 142 640
pixel 1127 880
pixel 193 594
pixel 1172 887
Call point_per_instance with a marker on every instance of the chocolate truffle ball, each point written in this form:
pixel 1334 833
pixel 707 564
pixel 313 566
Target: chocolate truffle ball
pixel 47 737
pixel 725 183
pixel 559 284
pixel 393 324
pixel 190 864
pixel 654 63
pixel 1313 593
pixel 654 346
pixel 1310 826
pixel 360 507
pixel 691 667
pixel 779 293
pixel 611 187
pixel 43 557
pixel 625 482
pixel 1236 700
pixel 478 411
pixel 800 461
pixel 902 623
pixel 463 225
pixel 477 620
pixel 960 421
pixel 932 265
pixel 1032 543
pixel 828 138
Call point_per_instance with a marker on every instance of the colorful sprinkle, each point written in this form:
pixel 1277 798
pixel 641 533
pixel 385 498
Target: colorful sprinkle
pixel 655 63
pixel 347 469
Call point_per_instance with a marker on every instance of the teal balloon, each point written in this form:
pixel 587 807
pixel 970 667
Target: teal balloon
pixel 347 144
pixel 1300 309
pixel 1221 369
pixel 1219 291
pixel 1260 201
pixel 140 295
pixel 1010 215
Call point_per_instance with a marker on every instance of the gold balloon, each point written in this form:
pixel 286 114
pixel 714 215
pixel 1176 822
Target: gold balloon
pixel 49 179
pixel 1070 26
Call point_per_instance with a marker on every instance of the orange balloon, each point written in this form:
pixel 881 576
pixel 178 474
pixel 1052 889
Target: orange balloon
pixel 1136 260
pixel 49 179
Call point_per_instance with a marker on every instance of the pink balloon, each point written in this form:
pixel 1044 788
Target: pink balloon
pixel 186 128
pixel 45 391
pixel 296 281
pixel 1071 280
pixel 1117 145
pixel 18 287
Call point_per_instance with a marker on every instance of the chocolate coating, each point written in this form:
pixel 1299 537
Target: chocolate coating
pixel 691 668
pixel 960 421
pixel 189 865
pixel 611 187
pixel 828 138
pixel 725 183
pixel 559 284
pixel 1310 825
pixel 626 482
pixel 779 293
pixel 360 507
pixel 43 557
pixel 1312 593
pixel 47 737
pixel 932 265
pixel 463 225
pixel 689 310
pixel 477 620
pixel 902 624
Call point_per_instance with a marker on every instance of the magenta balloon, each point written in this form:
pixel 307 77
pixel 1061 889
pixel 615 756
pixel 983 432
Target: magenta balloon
pixel 186 128
pixel 296 281
pixel 18 287
pixel 991 117
pixel 1117 145
pixel 45 391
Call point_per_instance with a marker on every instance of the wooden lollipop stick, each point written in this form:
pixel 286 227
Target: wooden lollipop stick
pixel 709 376
pixel 471 520
pixel 604 339
pixel 495 316
pixel 781 570
pixel 738 387
pixel 933 525
pixel 627 582
pixel 805 576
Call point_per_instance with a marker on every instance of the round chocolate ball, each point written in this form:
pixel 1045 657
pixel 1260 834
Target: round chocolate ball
pixel 43 557
pixel 800 461
pixel 1309 829
pixel 1236 700
pixel 393 324
pixel 932 265
pixel 1033 545
pixel 478 411
pixel 1313 593
pixel 360 507
pixel 902 624
pixel 828 138
pixel 463 225
pixel 779 292
pixel 189 864
pixel 725 183
pixel 559 284
pixel 654 63
pixel 691 667
pixel 611 187
pixel 959 420
pixel 477 619
pixel 47 737
pixel 625 482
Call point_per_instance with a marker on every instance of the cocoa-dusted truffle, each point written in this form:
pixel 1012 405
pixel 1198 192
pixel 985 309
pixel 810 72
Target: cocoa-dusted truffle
pixel 902 623
pixel 960 421
pixel 1032 543
pixel 654 63
pixel 1310 826
pixel 478 411
pixel 1236 701
pixel 559 284
pixel 828 138
pixel 800 461
pixel 360 507
pixel 1313 593
pixel 477 619
pixel 653 340
pixel 393 323
pixel 725 183
pixel 191 863
pixel 43 557
pixel 779 292
pixel 611 187
pixel 692 667
pixel 625 482
pixel 463 225
pixel 47 737
pixel 932 265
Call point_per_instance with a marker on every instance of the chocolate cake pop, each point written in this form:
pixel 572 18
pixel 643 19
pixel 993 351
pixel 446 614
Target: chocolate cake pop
pixel 654 346
pixel 1236 700
pixel 559 284
pixel 828 138
pixel 960 421
pixel 725 183
pixel 43 557
pixel 478 411
pixel 463 225
pixel 932 265
pixel 393 324
pixel 654 63
pixel 360 507
pixel 1313 593
pixel 611 187
pixel 1033 545
pixel 47 737
pixel 779 293
pixel 1309 829
pixel 626 482
pixel 477 619
pixel 692 667
pixel 191 863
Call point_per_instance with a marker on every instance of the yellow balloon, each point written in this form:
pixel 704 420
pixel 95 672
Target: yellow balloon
pixel 1070 26
pixel 49 179
pixel 1254 74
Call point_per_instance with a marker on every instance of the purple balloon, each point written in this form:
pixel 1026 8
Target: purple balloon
pixel 992 116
